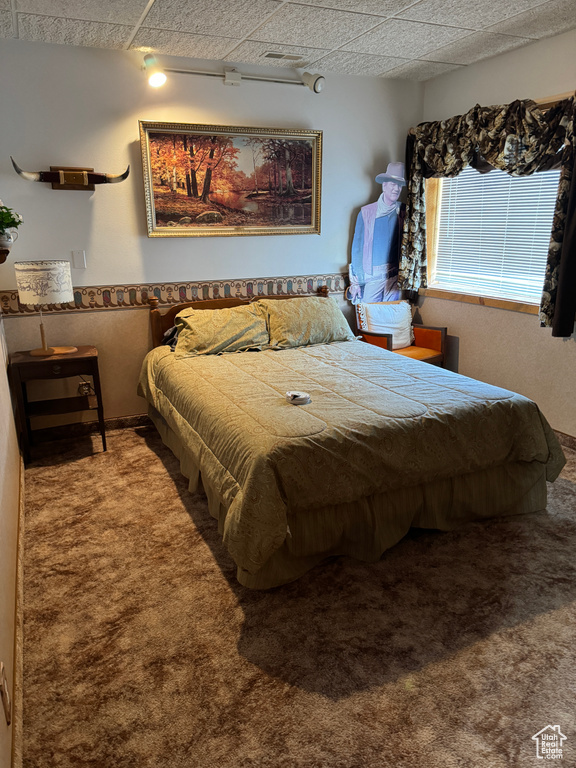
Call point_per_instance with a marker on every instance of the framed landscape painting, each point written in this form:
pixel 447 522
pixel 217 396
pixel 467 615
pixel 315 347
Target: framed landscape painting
pixel 214 180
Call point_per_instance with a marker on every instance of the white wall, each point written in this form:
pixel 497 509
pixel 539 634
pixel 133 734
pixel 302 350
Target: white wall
pixel 9 508
pixel 81 106
pixel 502 347
pixel 542 69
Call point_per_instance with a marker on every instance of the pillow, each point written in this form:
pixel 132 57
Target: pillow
pixel 393 317
pixel 305 321
pixel 214 331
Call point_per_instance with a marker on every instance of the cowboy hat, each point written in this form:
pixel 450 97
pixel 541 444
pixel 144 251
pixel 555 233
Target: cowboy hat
pixel 394 172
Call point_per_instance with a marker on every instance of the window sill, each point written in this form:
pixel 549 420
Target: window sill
pixel 484 301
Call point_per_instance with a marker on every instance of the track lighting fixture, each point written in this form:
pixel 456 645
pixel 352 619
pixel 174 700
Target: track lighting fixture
pixel 157 76
pixel 314 82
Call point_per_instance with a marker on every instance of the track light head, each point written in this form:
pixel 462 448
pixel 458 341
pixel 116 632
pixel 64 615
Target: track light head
pixel 156 76
pixel 314 82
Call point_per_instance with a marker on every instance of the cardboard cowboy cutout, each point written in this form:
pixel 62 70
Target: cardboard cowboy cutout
pixel 377 240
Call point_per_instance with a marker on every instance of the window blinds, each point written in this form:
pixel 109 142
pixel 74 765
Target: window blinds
pixel 494 232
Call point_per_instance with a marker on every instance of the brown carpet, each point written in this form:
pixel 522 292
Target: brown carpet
pixel 142 651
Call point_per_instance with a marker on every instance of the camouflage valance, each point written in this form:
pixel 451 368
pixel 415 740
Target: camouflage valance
pixel 518 138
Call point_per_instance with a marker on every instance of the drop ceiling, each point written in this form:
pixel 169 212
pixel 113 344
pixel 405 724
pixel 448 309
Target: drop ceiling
pixel 378 38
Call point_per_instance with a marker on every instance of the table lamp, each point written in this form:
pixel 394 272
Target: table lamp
pixel 45 282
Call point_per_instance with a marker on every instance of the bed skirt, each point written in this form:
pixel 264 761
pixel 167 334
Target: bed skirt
pixel 366 528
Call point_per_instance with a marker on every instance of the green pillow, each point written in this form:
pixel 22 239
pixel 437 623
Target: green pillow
pixel 303 321
pixel 214 331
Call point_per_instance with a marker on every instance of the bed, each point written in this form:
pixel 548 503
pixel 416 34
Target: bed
pixel 386 442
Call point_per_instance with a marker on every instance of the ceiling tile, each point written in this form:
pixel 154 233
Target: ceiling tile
pixel 377 7
pixel 313 27
pixel 6 29
pixel 357 63
pixel 125 12
pixel 253 52
pixel 546 20
pixel 72 31
pixel 406 39
pixel 471 14
pixel 420 70
pixel 180 44
pixel 475 47
pixel 412 39
pixel 210 17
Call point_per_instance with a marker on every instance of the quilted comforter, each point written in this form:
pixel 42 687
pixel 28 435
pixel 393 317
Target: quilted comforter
pixel 376 422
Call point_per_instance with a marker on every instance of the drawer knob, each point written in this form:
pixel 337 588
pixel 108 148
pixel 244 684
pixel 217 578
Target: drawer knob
pixel 56 369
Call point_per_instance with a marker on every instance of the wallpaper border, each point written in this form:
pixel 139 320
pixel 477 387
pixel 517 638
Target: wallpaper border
pixel 106 298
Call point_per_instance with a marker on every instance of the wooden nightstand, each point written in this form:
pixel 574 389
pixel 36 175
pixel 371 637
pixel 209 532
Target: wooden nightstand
pixel 23 368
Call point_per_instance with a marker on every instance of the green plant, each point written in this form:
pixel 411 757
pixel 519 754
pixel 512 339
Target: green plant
pixel 9 219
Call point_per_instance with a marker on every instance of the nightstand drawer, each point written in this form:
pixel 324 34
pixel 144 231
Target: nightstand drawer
pixel 54 369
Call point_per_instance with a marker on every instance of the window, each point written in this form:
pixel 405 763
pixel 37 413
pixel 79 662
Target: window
pixel 489 233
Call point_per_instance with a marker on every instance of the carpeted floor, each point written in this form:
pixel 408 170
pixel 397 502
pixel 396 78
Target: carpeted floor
pixel 142 651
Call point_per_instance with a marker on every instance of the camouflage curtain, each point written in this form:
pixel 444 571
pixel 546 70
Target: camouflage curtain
pixel 517 138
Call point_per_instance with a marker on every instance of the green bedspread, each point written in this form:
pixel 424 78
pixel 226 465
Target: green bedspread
pixel 377 422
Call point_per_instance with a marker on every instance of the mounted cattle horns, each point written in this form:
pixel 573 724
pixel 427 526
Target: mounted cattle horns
pixel 71 178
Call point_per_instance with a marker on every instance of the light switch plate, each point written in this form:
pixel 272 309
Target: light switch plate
pixel 5 694
pixel 79 259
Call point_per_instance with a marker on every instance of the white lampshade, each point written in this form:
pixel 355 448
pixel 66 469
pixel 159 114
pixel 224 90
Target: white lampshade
pixel 44 282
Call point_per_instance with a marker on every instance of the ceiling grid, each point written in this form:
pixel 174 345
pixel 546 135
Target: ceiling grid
pixel 378 38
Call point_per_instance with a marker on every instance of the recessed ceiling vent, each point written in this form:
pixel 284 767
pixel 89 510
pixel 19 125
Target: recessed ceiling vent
pixel 285 56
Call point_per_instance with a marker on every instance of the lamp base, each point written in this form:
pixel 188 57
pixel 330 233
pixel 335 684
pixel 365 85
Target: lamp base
pixel 48 351
pixel 64 350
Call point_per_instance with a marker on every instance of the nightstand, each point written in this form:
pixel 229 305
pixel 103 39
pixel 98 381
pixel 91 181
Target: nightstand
pixel 24 368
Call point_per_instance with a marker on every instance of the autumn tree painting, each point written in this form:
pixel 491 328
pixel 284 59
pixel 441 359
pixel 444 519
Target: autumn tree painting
pixel 203 181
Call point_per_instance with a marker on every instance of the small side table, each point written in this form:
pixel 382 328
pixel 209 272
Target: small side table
pixel 23 368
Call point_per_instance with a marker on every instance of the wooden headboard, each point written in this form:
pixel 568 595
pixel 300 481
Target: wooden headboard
pixel 163 320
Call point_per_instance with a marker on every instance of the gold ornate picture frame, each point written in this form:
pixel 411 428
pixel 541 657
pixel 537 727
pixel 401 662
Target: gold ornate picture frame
pixel 216 180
